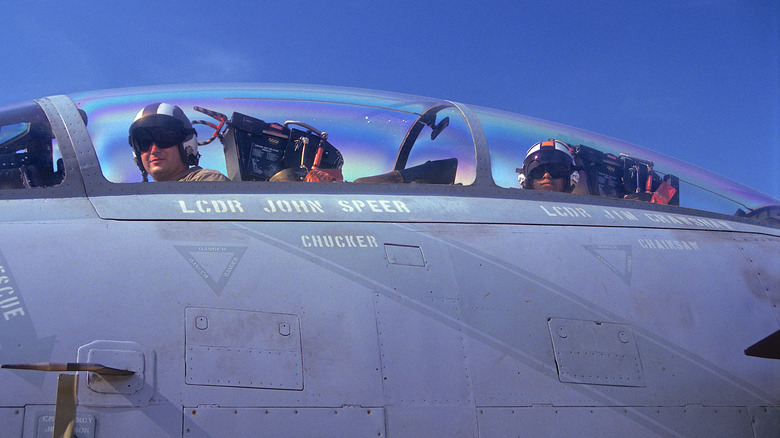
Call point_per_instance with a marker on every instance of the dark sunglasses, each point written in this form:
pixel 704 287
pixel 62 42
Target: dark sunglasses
pixel 164 138
pixel 555 171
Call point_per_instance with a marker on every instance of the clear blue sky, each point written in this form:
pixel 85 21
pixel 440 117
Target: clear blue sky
pixel 697 80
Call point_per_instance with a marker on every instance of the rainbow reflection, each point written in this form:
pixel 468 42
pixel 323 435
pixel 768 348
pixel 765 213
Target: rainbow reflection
pixel 367 127
pixel 367 131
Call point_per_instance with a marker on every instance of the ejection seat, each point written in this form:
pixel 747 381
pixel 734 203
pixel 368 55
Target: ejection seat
pixel 20 178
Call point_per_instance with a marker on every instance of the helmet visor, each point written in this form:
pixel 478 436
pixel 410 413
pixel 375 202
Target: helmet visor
pixel 143 138
pixel 536 170
pixel 555 161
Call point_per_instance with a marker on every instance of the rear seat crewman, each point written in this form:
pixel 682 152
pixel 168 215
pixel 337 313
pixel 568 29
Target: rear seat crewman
pixel 154 132
pixel 549 165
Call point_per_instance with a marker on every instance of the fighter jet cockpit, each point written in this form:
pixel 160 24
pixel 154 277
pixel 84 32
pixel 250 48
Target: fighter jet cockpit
pixel 612 169
pixel 256 138
pixel 261 136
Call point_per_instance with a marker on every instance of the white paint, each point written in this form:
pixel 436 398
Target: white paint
pixel 218 206
pixel 373 205
pixel 339 241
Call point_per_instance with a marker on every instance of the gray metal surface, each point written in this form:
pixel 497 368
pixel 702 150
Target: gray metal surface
pixel 544 421
pixel 12 420
pixel 382 310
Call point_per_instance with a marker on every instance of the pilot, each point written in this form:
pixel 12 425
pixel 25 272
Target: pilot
pixel 549 165
pixel 154 132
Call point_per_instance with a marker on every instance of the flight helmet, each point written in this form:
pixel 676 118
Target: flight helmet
pixel 553 156
pixel 165 125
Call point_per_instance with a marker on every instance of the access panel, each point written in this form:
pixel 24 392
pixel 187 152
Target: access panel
pixel 239 348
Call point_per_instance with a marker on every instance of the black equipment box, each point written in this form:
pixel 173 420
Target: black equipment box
pixel 604 172
pixel 254 149
pixel 257 150
pixel 622 177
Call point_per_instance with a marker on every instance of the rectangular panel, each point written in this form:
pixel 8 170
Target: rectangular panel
pixel 11 420
pixel 249 367
pixel 431 421
pixel 161 420
pixel 284 422
pixel 614 422
pixel 243 349
pixel 423 358
pixel 598 353
pixel 404 255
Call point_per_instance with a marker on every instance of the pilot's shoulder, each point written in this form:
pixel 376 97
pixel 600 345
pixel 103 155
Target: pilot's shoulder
pixel 199 174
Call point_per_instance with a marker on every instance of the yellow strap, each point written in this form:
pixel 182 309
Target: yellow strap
pixel 65 411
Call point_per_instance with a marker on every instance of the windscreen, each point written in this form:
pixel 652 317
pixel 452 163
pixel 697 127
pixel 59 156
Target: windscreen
pixel 367 134
pixel 617 169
